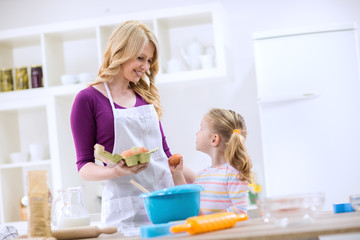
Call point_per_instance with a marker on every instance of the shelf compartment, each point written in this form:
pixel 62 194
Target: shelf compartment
pixel 176 33
pixel 11 187
pixel 20 51
pixel 105 31
pixel 17 133
pixel 69 52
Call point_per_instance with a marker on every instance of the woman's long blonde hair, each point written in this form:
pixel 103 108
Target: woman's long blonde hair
pixel 127 43
pixel 232 130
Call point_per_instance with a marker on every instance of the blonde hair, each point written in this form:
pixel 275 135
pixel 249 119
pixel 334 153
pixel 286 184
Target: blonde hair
pixel 127 43
pixel 232 130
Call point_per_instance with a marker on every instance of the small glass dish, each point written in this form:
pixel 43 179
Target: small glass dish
pixel 291 210
pixel 355 201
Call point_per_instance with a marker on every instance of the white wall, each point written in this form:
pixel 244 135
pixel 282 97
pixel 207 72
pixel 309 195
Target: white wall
pixel 186 103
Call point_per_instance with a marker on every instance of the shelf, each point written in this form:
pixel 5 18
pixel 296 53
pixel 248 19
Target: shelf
pixel 192 75
pixel 25 164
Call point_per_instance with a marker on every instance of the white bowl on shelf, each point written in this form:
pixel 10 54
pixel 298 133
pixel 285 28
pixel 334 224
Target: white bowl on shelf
pixel 68 79
pixel 18 157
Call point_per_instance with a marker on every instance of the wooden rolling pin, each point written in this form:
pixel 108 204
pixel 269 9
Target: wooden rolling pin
pixel 79 232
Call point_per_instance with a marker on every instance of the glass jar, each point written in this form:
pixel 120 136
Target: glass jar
pixel 21 78
pixel 6 80
pixel 36 76
pixel 68 209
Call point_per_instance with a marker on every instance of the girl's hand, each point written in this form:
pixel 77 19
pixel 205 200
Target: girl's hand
pixel 176 169
pixel 177 172
pixel 121 169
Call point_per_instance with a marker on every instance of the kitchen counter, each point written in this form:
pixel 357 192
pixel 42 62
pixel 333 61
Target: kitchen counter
pixel 326 224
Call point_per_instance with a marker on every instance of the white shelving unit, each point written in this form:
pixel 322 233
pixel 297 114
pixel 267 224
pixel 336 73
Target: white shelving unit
pixel 42 115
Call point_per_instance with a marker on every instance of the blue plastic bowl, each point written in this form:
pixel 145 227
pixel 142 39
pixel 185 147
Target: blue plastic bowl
pixel 172 204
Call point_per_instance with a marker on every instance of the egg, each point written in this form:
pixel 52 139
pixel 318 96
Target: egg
pixel 142 150
pixel 175 159
pixel 128 153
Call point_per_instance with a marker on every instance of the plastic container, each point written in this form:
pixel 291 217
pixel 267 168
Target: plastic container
pixel 172 204
pixel 355 201
pixel 342 207
pixel 291 210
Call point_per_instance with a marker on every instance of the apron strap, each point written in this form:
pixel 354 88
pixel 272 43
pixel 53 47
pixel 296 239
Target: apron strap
pixel 109 95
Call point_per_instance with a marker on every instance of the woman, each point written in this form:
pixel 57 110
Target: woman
pixel 121 109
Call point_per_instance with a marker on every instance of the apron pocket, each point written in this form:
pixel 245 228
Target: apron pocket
pixel 118 212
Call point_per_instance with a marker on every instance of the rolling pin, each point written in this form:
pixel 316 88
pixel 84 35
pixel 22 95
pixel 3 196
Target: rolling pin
pixel 208 223
pixel 79 232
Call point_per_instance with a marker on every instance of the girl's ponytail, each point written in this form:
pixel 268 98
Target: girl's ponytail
pixel 232 129
pixel 236 154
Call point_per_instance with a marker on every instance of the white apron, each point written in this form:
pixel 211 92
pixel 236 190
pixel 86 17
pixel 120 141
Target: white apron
pixel 121 204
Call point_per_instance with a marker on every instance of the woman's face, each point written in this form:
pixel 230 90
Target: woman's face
pixel 203 136
pixel 132 70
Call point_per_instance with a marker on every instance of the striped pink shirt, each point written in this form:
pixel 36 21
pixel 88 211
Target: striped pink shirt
pixel 222 190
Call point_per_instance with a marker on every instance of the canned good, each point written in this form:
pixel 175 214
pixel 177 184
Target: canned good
pixel 21 78
pixel 36 76
pixel 6 80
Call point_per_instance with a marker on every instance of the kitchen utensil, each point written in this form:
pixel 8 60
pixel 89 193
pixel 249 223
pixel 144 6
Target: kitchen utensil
pixel 355 201
pixel 68 209
pixel 86 77
pixel 173 65
pixel 291 210
pixel 192 54
pixel 172 204
pixel 156 230
pixel 79 232
pixel 210 222
pixel 37 151
pixel 138 186
pixel 69 79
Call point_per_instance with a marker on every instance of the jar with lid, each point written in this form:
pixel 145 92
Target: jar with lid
pixel 36 76
pixel 21 78
pixel 68 209
pixel 6 80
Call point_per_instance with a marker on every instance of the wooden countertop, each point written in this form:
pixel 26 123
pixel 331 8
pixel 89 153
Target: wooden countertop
pixel 327 223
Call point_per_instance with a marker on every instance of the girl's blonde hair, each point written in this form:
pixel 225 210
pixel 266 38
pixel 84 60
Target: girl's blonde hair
pixel 127 43
pixel 232 130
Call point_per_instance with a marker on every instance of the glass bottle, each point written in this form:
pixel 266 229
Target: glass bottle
pixel 68 209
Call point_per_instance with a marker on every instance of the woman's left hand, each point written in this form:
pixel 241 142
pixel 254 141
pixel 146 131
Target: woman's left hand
pixel 122 169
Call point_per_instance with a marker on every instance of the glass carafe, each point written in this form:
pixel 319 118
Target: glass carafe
pixel 68 209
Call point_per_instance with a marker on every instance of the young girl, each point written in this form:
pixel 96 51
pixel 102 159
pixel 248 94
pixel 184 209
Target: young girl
pixel 221 136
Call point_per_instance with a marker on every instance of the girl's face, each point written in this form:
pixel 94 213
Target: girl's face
pixel 204 136
pixel 132 70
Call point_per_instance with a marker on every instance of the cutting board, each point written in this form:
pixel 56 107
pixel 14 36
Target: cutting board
pixel 79 232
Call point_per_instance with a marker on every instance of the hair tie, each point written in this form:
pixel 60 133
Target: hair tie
pixel 236 131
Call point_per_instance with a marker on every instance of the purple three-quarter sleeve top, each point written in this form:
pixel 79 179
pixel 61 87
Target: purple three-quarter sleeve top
pixel 92 121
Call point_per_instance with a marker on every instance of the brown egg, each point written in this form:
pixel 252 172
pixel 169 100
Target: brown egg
pixel 175 159
pixel 142 150
pixel 128 153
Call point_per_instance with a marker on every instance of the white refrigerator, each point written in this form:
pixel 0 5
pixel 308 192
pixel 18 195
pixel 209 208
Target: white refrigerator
pixel 308 85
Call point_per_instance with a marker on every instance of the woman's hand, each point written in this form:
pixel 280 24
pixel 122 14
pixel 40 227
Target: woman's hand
pixel 121 169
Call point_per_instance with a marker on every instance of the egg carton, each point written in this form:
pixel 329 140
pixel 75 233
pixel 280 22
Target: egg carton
pixel 113 159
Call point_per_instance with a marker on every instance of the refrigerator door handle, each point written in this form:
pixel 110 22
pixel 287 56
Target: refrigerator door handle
pixel 288 97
